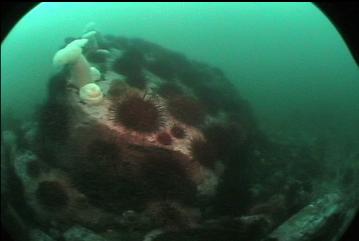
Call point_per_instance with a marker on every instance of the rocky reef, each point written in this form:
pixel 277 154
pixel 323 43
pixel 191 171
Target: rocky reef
pixel 138 142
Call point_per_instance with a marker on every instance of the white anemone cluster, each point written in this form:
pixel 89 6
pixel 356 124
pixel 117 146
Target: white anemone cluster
pixel 82 75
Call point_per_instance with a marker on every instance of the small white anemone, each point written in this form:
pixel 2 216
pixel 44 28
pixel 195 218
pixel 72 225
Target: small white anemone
pixel 91 94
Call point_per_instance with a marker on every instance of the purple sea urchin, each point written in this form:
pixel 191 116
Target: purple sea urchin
pixel 186 109
pixel 138 114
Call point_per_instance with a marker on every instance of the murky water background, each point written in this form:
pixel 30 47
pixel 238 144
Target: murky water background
pixel 286 59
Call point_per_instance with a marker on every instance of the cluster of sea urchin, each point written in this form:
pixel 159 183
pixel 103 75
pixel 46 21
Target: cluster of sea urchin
pixel 130 172
pixel 101 173
pixel 138 113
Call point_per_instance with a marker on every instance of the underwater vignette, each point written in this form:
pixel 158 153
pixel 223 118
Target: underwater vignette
pixel 135 141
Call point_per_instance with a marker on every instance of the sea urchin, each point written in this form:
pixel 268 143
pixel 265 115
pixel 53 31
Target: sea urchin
pixel 186 109
pixel 138 114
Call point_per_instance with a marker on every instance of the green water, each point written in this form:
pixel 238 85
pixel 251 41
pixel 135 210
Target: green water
pixel 285 59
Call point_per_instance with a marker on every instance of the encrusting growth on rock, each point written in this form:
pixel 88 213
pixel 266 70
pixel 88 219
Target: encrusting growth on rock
pixel 136 133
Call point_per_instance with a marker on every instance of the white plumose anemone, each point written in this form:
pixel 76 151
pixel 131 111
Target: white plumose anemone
pixel 91 94
pixel 72 55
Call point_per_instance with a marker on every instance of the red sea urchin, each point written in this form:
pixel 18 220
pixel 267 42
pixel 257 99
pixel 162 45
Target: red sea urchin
pixel 138 113
pixel 186 109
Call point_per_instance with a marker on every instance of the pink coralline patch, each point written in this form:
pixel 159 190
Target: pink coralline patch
pixel 164 138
